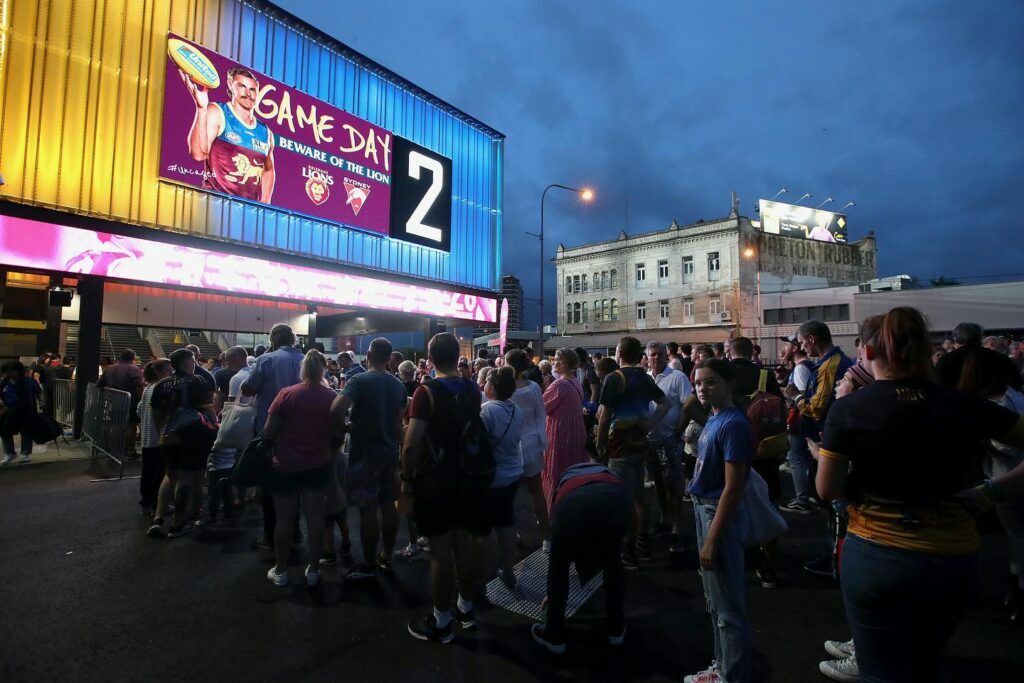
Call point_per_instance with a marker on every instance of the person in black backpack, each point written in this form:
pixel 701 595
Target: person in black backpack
pixel 20 399
pixel 445 485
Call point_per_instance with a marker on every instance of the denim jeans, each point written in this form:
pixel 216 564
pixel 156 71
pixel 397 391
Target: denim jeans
pixel 220 497
pixel 799 458
pixel 26 443
pixel 903 607
pixel 726 593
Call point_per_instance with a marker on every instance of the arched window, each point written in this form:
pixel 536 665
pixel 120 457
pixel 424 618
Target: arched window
pixel 604 279
pixel 604 310
pixel 615 278
pixel 597 281
pixel 586 318
pixel 615 309
pixel 597 311
pixel 568 314
pixel 584 276
pixel 576 317
pixel 568 284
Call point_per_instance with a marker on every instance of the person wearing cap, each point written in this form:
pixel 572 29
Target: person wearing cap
pixel 857 377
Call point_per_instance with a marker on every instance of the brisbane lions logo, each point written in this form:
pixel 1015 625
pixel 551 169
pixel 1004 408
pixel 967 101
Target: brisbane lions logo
pixel 317 190
pixel 357 194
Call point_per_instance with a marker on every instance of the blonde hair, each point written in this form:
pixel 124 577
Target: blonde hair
pixel 312 369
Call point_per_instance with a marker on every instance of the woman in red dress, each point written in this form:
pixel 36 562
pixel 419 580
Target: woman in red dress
pixel 563 404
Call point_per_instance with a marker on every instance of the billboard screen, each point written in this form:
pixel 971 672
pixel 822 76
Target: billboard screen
pixel 35 244
pixel 233 130
pixel 804 222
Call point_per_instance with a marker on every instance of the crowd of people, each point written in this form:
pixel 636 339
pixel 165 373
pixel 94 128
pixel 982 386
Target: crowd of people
pixel 896 447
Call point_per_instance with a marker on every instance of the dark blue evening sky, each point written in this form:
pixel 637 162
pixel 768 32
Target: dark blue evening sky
pixel 913 109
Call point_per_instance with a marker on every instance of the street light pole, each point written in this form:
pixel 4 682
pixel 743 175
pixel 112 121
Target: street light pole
pixel 586 195
pixel 750 253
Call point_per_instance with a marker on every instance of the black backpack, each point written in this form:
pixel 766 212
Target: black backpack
pixel 473 451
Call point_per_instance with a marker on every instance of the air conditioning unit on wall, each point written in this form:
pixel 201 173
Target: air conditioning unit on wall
pixel 725 316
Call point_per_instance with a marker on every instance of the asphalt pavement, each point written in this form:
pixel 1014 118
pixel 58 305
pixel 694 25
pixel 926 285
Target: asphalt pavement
pixel 85 595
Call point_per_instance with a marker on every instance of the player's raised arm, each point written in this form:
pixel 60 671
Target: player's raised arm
pixel 207 121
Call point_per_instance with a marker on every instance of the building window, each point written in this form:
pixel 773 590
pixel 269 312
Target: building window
pixel 641 272
pixel 662 272
pixel 568 285
pixel 597 311
pixel 615 278
pixel 641 310
pixel 836 312
pixel 714 266
pixel 576 315
pixel 688 310
pixel 584 282
pixel 715 309
pixel 586 318
pixel 771 316
pixel 615 309
pixel 568 314
pixel 604 279
pixel 576 284
pixel 687 269
pixel 597 281
pixel 664 309
pixel 604 310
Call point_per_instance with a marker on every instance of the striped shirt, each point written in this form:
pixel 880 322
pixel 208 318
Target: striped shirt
pixel 150 434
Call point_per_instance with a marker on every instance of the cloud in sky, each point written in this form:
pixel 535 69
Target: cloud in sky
pixel 914 109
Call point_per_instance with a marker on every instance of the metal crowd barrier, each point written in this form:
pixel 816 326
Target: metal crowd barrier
pixel 64 402
pixel 106 422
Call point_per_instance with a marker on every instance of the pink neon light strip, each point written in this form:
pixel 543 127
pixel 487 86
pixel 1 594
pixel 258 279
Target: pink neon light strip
pixel 34 244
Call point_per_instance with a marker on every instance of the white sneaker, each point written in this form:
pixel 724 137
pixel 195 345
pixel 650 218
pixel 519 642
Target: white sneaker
pixel 709 675
pixel 312 576
pixel 839 649
pixel 25 459
pixel 279 580
pixel 844 670
pixel 8 459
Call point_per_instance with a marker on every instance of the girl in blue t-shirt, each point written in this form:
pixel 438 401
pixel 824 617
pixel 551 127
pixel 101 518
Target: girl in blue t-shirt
pixel 724 454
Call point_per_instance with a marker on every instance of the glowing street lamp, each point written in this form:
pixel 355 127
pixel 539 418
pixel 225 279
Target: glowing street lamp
pixel 586 194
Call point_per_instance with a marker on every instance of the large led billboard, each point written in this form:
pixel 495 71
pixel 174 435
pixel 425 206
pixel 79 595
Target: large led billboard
pixel 47 246
pixel 230 129
pixel 790 220
pixel 93 143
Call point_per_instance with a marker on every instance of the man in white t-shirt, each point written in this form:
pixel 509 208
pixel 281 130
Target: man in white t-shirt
pixel 665 462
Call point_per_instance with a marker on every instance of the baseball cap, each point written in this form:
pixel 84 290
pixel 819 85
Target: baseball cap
pixel 790 339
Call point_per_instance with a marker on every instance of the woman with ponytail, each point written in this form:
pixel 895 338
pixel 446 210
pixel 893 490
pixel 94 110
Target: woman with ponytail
pixel 898 451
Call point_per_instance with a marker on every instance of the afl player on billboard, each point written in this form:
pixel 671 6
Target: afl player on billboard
pixel 238 149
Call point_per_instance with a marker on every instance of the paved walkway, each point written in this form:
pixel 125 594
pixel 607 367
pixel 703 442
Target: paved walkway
pixel 87 596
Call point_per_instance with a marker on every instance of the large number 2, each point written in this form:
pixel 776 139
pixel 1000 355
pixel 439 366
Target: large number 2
pixel 415 224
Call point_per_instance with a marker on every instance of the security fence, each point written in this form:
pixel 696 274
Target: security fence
pixel 64 402
pixel 106 422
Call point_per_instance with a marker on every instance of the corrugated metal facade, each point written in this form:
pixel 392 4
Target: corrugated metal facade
pixel 80 110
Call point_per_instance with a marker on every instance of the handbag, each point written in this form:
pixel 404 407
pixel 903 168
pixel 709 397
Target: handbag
pixel 762 522
pixel 189 427
pixel 237 426
pixel 252 466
